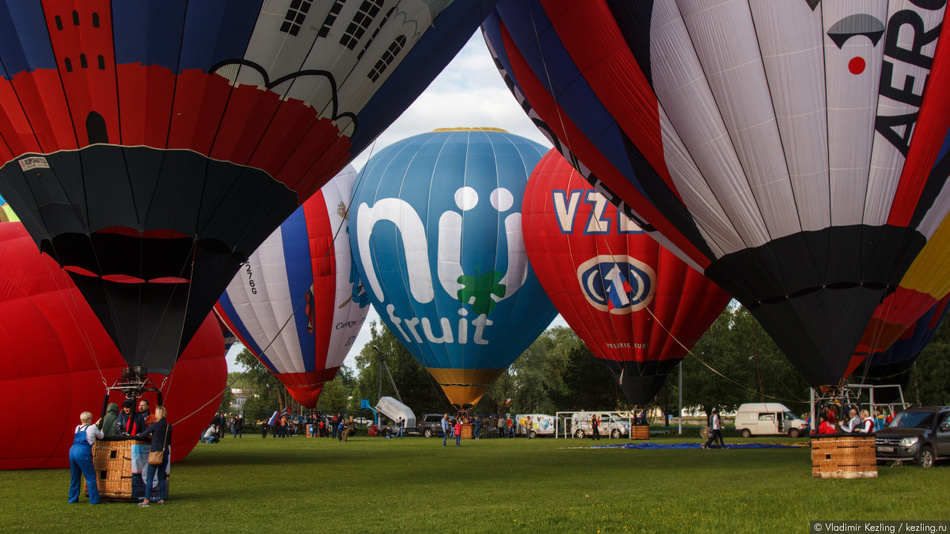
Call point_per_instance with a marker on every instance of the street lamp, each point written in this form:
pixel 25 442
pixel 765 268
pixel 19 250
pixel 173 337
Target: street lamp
pixel 379 393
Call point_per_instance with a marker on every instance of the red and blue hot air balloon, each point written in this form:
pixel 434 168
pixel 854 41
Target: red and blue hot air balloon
pixel 925 284
pixel 149 147
pixel 635 304
pixel 793 151
pixel 297 304
pixel 52 348
pixel 893 365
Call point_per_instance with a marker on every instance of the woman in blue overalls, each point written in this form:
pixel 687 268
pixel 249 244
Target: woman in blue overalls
pixel 80 459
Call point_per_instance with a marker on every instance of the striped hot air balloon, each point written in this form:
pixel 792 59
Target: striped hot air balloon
pixel 297 304
pixel 793 151
pixel 187 131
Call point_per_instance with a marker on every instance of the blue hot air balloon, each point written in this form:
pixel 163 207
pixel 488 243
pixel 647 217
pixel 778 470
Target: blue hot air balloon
pixel 435 229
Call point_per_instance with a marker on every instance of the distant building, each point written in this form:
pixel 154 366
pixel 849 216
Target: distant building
pixel 240 397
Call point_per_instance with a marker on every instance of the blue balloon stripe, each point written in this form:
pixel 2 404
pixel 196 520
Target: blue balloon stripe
pixel 299 267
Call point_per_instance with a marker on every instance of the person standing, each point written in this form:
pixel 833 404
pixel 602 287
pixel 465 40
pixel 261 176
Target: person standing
pixel 854 422
pixel 400 426
pixel 595 428
pixel 716 433
pixel 458 431
pixel 129 422
pixel 109 426
pixel 161 433
pixel 143 413
pixel 445 428
pixel 238 426
pixel 529 426
pixel 80 458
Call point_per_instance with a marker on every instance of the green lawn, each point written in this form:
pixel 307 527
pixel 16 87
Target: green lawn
pixel 541 485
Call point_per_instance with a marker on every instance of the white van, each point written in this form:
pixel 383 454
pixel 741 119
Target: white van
pixel 763 418
pixel 541 425
pixel 611 425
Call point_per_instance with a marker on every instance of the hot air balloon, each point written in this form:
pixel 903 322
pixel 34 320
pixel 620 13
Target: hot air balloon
pixel 297 304
pixel 893 365
pixel 56 358
pixel 792 151
pixel 435 229
pixel 151 146
pixel 925 283
pixel 6 213
pixel 635 304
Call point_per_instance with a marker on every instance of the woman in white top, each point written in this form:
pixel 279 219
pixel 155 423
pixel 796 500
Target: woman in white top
pixel 80 459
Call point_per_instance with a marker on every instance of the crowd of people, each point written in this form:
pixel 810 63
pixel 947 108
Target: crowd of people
pixel 125 423
pixel 831 420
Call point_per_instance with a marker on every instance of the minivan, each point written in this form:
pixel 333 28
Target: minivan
pixel 764 418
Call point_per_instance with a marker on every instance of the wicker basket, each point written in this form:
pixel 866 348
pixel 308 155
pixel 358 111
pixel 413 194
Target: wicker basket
pixel 843 456
pixel 112 460
pixel 640 432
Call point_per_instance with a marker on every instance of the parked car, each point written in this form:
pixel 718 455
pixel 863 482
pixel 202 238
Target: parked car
pixel 763 418
pixel 918 434
pixel 430 424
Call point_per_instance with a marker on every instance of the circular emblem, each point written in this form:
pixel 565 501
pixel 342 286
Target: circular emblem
pixel 617 284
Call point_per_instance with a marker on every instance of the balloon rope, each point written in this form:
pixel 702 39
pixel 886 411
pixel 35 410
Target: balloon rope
pixel 689 352
pixel 191 282
pixel 81 325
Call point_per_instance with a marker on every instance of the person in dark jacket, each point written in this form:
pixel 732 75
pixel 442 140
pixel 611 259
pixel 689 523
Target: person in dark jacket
pixel 129 422
pixel 109 427
pixel 161 433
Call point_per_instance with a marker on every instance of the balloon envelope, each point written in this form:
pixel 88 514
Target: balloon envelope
pixel 774 145
pixel 925 283
pixel 150 147
pixel 6 213
pixel 893 365
pixel 635 304
pixel 297 304
pixel 435 230
pixel 53 348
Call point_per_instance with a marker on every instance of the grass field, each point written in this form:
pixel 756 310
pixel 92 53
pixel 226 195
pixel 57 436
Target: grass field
pixel 542 485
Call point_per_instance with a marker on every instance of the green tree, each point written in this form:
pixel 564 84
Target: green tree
pixel 527 385
pixel 417 388
pixel 588 384
pixel 930 373
pixel 226 399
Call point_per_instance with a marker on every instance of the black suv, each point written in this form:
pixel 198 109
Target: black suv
pixel 918 434
pixel 430 425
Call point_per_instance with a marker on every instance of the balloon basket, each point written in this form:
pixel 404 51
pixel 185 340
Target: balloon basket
pixel 843 456
pixel 467 432
pixel 640 432
pixel 120 464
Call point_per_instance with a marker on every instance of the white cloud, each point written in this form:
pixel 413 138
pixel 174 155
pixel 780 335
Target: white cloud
pixel 468 94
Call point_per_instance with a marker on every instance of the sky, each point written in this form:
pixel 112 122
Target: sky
pixel 468 93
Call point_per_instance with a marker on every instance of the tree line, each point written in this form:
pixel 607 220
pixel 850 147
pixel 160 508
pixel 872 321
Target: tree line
pixel 734 362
